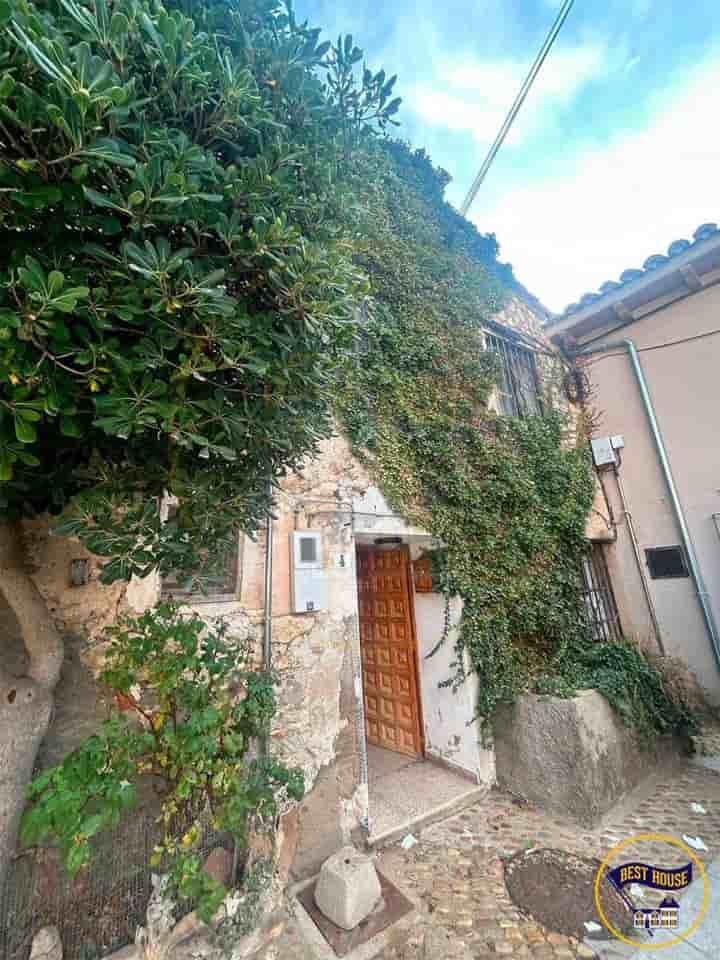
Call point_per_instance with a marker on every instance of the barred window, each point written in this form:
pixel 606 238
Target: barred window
pixel 599 597
pixel 222 586
pixel 517 388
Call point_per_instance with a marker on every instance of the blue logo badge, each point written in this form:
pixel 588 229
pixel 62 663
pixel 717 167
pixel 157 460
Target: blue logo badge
pixel 666 915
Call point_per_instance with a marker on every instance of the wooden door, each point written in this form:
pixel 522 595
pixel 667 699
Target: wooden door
pixel 389 650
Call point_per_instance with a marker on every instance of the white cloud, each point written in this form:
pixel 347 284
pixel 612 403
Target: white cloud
pixel 473 96
pixel 567 234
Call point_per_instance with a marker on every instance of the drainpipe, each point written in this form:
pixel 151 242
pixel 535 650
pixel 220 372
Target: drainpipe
pixel 695 569
pixel 267 624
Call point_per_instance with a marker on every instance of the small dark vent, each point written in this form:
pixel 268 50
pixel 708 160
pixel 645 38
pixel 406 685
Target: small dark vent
pixel 666 562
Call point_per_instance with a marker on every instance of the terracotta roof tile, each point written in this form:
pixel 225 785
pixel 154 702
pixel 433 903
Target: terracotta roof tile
pixel 653 262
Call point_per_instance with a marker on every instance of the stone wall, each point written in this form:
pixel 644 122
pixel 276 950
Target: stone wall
pixel 319 725
pixel 316 655
pixel 574 757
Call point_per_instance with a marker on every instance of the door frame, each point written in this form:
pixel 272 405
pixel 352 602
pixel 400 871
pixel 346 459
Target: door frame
pixel 410 586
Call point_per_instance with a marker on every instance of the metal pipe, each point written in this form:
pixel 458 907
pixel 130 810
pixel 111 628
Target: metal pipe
pixel 264 744
pixel 267 633
pixel 360 724
pixel 693 561
pixel 638 560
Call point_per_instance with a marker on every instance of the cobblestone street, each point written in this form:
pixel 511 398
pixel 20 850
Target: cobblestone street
pixel 454 874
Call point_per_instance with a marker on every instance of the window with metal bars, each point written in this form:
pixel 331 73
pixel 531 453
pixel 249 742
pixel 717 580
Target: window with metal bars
pixel 599 597
pixel 221 587
pixel 517 389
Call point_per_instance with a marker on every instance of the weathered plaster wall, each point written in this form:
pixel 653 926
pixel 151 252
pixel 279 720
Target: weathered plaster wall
pixel 316 655
pixel 451 733
pixel 89 608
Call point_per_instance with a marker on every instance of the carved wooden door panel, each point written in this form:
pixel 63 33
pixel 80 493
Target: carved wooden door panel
pixel 388 648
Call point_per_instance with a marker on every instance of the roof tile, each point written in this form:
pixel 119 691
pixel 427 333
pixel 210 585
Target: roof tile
pixel 654 262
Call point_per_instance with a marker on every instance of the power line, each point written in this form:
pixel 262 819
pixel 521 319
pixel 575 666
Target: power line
pixel 517 103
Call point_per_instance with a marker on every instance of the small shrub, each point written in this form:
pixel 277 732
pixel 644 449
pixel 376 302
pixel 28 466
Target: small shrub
pixel 629 681
pixel 197 711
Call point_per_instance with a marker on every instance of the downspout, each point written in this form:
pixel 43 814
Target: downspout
pixel 267 623
pixel 695 569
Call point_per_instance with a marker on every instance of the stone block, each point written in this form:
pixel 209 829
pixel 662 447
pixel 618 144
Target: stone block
pixel 47 945
pixel 574 757
pixel 348 888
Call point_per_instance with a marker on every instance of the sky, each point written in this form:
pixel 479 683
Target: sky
pixel 616 151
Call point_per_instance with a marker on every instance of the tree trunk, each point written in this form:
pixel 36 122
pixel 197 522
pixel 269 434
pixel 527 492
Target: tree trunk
pixel 26 703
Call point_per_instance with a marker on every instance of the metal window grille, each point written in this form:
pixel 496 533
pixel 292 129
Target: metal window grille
pixel 518 387
pixel 223 585
pixel 599 597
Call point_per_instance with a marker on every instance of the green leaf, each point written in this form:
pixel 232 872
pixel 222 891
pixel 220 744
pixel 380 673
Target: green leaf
pixel 102 200
pixel 55 282
pixel 7 84
pixel 92 825
pixel 27 413
pixel 70 427
pixel 79 172
pixel 24 430
pixel 76 857
pixel 110 151
pixel 67 302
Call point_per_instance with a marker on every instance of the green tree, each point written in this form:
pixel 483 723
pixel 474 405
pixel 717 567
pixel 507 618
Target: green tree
pixel 176 287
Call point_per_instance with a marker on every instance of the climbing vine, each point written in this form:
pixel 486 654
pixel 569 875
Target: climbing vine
pixel 507 497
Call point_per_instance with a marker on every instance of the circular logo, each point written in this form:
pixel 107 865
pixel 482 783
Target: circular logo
pixel 664 876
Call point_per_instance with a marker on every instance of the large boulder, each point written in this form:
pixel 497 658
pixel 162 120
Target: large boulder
pixel 574 757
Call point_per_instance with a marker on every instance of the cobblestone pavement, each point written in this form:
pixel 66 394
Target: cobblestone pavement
pixel 455 872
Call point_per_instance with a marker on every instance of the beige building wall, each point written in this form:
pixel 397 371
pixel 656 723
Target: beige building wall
pixel 680 356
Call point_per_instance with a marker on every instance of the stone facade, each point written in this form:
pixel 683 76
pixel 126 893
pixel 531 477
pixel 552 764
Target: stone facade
pixel 319 725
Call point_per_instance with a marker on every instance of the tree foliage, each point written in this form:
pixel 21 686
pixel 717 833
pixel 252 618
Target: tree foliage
pixel 177 289
pixel 176 281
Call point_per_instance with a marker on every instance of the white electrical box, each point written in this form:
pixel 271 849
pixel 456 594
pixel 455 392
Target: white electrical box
pixel 602 451
pixel 309 578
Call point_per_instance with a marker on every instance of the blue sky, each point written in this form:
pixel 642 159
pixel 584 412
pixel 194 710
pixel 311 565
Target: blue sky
pixel 616 151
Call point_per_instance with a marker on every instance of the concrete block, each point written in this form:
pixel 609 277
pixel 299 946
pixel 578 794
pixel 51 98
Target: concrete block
pixel 47 945
pixel 348 888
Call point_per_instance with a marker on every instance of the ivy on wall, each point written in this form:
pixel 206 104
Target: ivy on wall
pixel 507 497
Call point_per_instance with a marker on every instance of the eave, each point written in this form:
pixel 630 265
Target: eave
pixel 681 276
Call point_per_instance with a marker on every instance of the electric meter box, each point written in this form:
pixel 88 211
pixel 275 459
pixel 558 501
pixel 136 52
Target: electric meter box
pixel 603 452
pixel 309 578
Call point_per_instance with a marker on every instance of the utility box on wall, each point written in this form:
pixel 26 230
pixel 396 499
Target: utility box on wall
pixel 309 578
